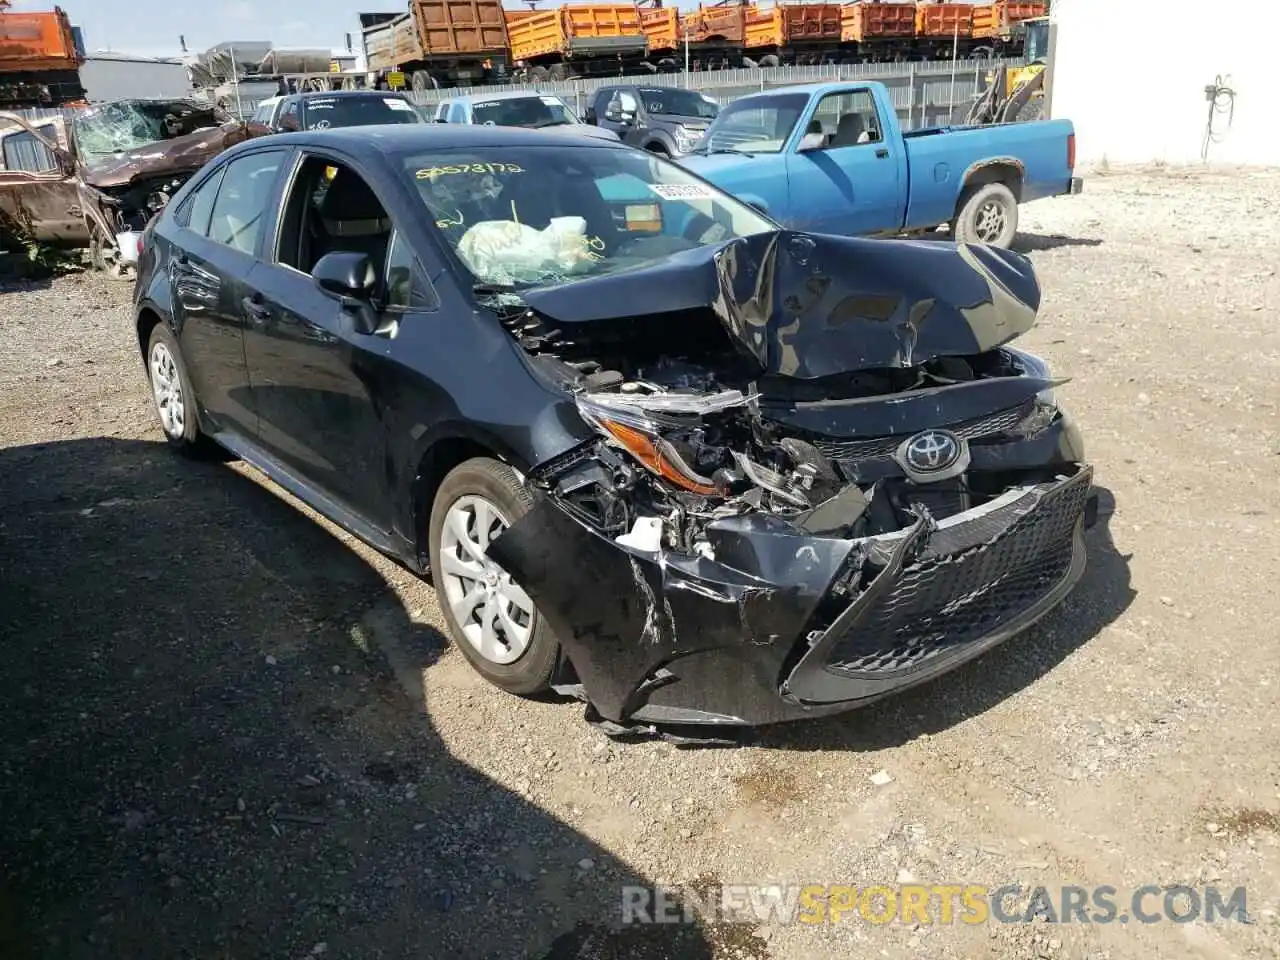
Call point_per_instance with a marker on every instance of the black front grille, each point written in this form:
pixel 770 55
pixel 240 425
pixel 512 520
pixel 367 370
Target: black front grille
pixel 943 602
pixel 867 448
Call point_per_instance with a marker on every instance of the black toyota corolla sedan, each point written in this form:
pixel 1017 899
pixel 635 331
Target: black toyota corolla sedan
pixel 654 450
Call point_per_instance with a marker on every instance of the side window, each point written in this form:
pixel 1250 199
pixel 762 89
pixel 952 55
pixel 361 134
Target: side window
pixel 22 151
pixel 628 103
pixel 195 211
pixel 458 113
pixel 289 119
pixel 241 206
pixel 330 208
pixel 847 119
pixel 407 287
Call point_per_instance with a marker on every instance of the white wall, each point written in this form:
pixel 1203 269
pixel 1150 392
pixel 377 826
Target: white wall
pixel 1131 76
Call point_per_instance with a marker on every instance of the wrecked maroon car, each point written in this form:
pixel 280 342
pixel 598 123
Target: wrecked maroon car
pixel 109 170
pixel 131 156
pixel 655 451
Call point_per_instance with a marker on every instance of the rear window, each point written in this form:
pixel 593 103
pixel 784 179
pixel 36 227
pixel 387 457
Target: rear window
pixel 325 112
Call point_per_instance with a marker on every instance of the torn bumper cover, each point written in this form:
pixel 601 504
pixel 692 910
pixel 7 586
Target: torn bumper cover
pixel 773 628
pixel 822 475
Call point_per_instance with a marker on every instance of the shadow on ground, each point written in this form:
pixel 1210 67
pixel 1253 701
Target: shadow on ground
pixel 1101 596
pixel 1031 242
pixel 201 755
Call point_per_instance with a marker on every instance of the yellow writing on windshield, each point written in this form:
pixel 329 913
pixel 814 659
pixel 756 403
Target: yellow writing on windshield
pixel 430 173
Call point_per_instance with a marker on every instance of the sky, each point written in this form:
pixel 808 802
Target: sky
pixel 152 27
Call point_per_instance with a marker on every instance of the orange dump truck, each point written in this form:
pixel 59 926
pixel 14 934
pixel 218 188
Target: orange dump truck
pixel 439 43
pixel 716 36
pixel 578 39
pixel 995 21
pixel 940 27
pixel 877 22
pixel 793 32
pixel 39 61
pixel 661 29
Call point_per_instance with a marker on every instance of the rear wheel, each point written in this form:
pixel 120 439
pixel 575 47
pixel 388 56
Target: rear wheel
pixel 171 391
pixel 491 619
pixel 986 214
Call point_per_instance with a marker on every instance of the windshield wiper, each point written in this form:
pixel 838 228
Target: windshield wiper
pixel 489 289
pixel 712 150
pixel 552 123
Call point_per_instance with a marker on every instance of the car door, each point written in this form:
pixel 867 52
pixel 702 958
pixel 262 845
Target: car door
pixel 628 117
pixel 216 246
pixel 317 381
pixel 848 181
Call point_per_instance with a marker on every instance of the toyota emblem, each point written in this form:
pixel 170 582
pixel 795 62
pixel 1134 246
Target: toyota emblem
pixel 932 451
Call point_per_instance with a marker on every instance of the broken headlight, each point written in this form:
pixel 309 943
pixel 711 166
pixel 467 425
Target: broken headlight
pixel 646 427
pixel 1045 408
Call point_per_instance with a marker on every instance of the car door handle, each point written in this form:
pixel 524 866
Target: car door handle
pixel 258 311
pixel 882 153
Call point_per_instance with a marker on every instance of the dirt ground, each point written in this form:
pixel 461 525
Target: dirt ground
pixel 227 730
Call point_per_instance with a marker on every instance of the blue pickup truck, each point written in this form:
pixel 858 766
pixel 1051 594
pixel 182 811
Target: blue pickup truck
pixel 832 158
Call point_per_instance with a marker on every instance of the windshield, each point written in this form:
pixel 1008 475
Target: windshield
pixel 528 215
pixel 127 125
pixel 672 101
pixel 754 124
pixel 1036 46
pixel 326 112
pixel 523 112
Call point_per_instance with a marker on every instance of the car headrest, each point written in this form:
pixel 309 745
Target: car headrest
pixel 849 129
pixel 350 208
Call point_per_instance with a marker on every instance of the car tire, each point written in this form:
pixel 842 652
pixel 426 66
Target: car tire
pixel 171 392
pixel 987 214
pixel 517 652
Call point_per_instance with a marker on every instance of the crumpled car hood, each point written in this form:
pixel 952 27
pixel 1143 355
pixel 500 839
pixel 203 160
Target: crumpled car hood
pixel 810 305
pixel 178 155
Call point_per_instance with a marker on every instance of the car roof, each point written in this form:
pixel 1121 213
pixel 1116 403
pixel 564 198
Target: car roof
pixel 807 88
pixel 408 137
pixel 346 94
pixel 504 95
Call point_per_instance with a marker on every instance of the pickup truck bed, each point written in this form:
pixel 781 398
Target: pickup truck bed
pixel 832 158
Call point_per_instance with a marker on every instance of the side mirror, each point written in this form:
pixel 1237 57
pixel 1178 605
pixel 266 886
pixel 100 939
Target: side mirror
pixel 66 163
pixel 345 275
pixel 349 278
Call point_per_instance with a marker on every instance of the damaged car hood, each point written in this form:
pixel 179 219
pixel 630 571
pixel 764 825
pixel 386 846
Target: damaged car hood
pixel 124 140
pixel 809 306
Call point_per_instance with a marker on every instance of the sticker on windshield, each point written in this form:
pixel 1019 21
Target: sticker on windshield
pixel 431 173
pixel 683 191
pixel 397 104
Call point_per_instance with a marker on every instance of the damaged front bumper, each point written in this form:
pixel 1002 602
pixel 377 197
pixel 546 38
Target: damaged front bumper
pixel 778 624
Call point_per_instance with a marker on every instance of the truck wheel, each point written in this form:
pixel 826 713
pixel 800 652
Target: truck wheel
pixel 422 81
pixel 986 214
pixel 490 619
pixel 1033 109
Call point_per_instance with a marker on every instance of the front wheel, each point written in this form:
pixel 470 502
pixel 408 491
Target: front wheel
pixel 490 618
pixel 171 391
pixel 987 214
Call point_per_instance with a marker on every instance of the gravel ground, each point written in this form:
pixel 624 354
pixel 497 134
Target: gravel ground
pixel 229 731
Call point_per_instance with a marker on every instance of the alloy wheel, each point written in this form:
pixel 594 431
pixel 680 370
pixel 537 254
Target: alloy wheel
pixel 166 386
pixel 991 220
pixel 495 615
